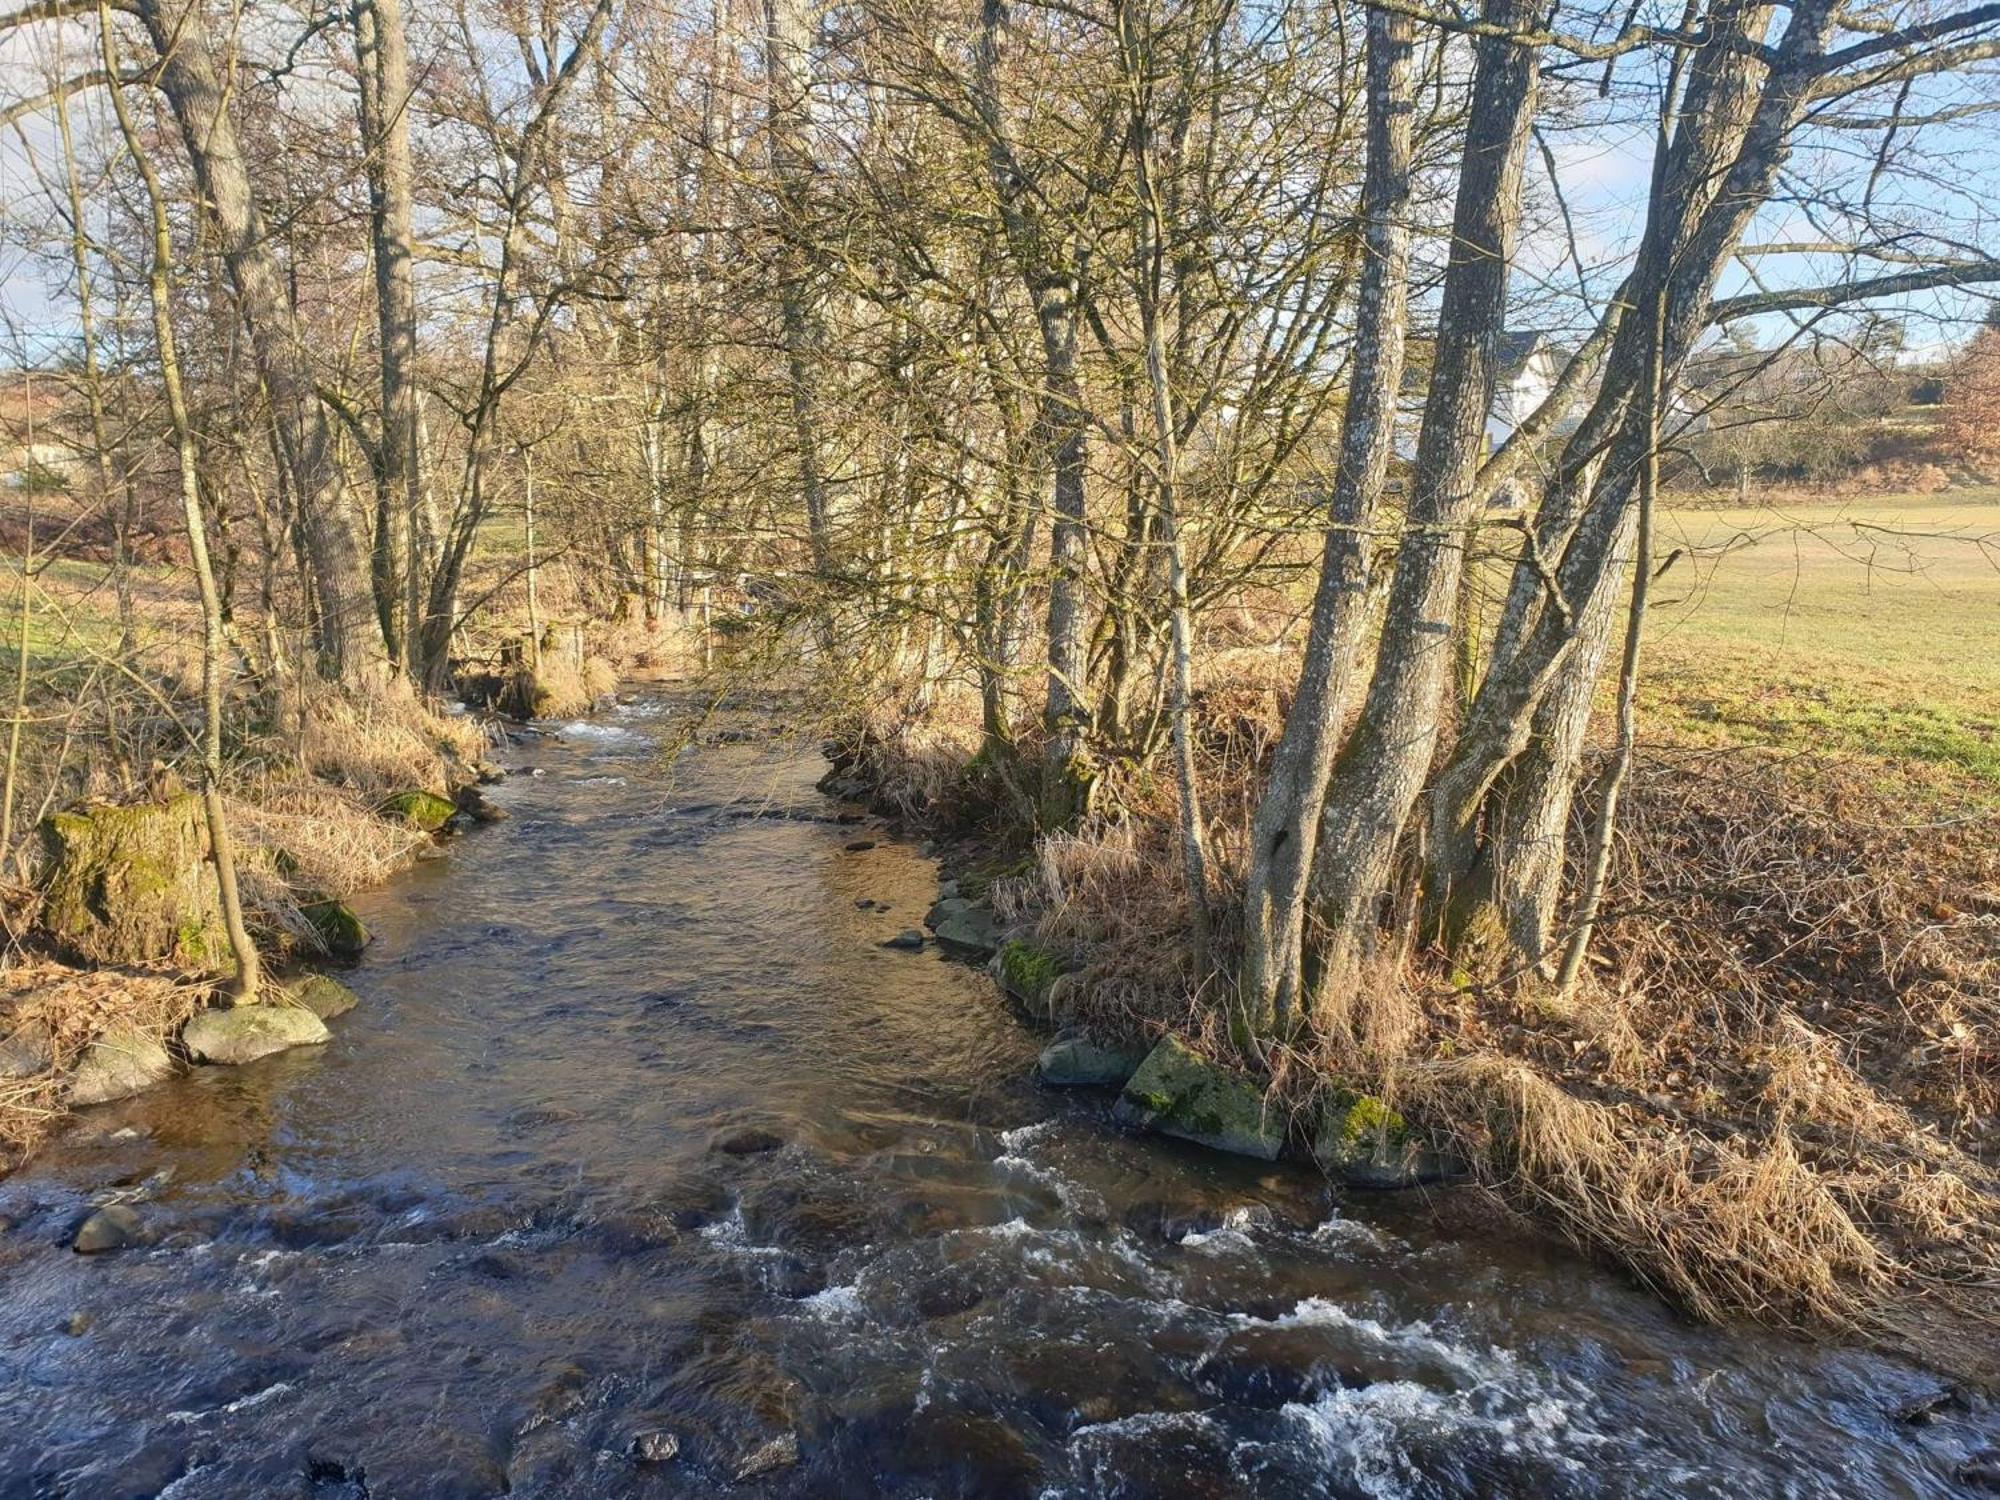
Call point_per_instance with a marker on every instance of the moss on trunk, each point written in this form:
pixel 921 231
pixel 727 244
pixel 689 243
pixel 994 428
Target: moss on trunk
pixel 133 885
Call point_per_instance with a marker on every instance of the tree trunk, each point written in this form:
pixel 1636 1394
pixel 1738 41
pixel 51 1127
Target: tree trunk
pixel 1734 125
pixel 788 39
pixel 1378 776
pixel 1053 287
pixel 1284 834
pixel 187 77
pixel 244 986
pixel 1151 281
pixel 385 97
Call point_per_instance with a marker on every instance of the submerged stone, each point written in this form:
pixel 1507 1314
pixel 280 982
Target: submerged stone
pixel 475 805
pixel 132 884
pixel 748 1140
pixel 245 1033
pixel 655 1448
pixel 1362 1142
pixel 780 1453
pixel 909 938
pixel 325 996
pixel 1078 1062
pixel 110 1228
pixel 1179 1092
pixel 122 1062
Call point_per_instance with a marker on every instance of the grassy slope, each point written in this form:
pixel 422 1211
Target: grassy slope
pixel 1855 626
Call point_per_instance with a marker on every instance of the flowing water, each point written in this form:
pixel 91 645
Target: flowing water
pixel 638 1130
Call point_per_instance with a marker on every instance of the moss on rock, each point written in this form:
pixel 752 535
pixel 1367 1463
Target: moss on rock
pixel 340 932
pixel 1028 973
pixel 425 811
pixel 133 885
pixel 1363 1142
pixel 245 1033
pixel 323 995
pixel 1179 1092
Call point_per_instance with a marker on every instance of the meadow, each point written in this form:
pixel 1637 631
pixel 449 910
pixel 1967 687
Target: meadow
pixel 1867 626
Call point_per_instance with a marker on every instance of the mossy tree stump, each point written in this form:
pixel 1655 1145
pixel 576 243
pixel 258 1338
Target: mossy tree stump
pixel 133 885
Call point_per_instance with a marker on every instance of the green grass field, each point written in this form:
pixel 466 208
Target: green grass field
pixel 1867 626
pixel 73 614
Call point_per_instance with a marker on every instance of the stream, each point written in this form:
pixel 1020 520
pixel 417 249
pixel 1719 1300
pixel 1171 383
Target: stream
pixel 639 1135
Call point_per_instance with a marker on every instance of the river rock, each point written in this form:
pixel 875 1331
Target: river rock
pixel 909 938
pixel 1362 1142
pixel 945 908
pixel 323 995
pixel 245 1033
pixel 1981 1471
pixel 1078 1062
pixel 111 1228
pixel 1029 973
pixel 27 1050
pixel 657 1447
pixel 475 806
pixel 419 809
pixel 748 1140
pixel 1268 1367
pixel 341 933
pixel 1178 1092
pixel 132 884
pixel 122 1062
pixel 964 926
pixel 768 1458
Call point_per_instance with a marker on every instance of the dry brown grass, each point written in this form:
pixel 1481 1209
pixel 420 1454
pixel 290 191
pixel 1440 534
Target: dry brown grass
pixel 77 1006
pixel 381 738
pixel 1723 1227
pixel 1775 1094
pixel 562 687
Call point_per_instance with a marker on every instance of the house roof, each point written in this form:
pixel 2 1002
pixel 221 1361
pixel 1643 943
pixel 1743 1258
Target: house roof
pixel 1517 347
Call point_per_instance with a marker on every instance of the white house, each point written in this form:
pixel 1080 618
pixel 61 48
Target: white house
pixel 1529 368
pixel 1530 363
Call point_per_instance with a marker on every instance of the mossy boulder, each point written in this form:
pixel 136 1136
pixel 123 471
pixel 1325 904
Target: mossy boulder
pixel 425 811
pixel 341 933
pixel 1362 1142
pixel 1028 973
pixel 133 885
pixel 1179 1092
pixel 244 1033
pixel 122 1062
pixel 324 996
pixel 1078 1062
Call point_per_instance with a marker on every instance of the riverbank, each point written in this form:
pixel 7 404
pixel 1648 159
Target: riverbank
pixel 644 1167
pixel 117 956
pixel 1773 1097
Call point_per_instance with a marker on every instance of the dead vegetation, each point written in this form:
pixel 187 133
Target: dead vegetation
pixel 72 1008
pixel 1775 1094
